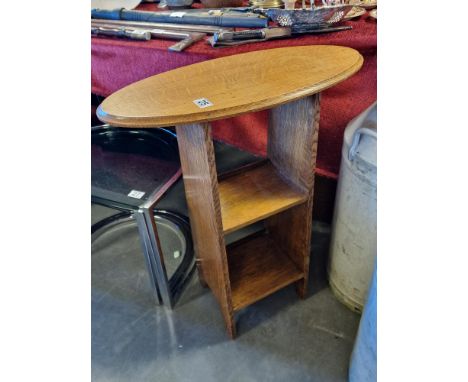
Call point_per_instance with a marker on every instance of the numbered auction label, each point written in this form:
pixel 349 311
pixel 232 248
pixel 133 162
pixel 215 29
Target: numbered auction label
pixel 177 14
pixel 136 194
pixel 202 103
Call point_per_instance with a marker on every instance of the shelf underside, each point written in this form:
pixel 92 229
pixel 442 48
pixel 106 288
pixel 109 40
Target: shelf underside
pixel 255 195
pixel 257 268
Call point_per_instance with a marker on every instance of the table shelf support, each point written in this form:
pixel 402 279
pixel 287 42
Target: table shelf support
pixel 201 191
pixel 292 148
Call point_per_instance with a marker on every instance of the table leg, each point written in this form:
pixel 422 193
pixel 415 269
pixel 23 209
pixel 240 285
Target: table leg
pixel 153 255
pixel 201 190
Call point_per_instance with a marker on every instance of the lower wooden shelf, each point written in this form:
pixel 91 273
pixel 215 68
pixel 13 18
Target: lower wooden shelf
pixel 257 268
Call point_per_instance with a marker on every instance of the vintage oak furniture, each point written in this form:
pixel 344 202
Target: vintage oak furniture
pixel 278 192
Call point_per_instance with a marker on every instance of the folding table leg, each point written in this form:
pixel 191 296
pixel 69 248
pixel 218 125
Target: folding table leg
pixel 153 255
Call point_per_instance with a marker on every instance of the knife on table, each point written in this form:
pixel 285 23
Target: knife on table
pixel 229 38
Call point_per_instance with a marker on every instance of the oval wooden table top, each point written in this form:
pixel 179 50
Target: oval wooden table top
pixel 229 86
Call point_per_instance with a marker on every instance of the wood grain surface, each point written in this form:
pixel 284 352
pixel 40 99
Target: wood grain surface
pixel 201 190
pixel 258 268
pixel 234 85
pixel 255 195
pixel 292 147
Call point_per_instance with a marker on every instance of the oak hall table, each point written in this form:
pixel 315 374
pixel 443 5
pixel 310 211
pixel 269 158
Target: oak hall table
pixel 278 192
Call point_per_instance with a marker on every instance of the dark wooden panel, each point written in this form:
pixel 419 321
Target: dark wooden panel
pixel 324 198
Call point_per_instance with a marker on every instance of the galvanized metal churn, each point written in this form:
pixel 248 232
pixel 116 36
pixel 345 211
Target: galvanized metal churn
pixel 363 364
pixel 353 244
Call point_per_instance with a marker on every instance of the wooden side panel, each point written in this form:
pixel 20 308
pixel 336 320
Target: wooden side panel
pixel 292 148
pixel 292 140
pixel 201 189
pixel 291 231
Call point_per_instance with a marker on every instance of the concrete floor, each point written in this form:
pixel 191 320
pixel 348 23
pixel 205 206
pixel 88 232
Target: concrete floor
pixel 280 338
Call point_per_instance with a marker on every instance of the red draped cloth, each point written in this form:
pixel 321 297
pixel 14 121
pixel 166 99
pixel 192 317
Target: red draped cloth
pixel 117 63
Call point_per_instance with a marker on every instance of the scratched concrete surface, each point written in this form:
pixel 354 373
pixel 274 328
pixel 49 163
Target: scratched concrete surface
pixel 280 338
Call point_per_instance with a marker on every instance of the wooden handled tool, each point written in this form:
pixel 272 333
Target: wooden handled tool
pixel 208 29
pixel 121 32
pixel 186 38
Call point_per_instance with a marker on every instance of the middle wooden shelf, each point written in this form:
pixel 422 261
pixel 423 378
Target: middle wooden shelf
pixel 254 195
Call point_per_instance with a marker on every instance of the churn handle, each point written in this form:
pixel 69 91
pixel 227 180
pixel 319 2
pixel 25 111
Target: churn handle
pixel 357 138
